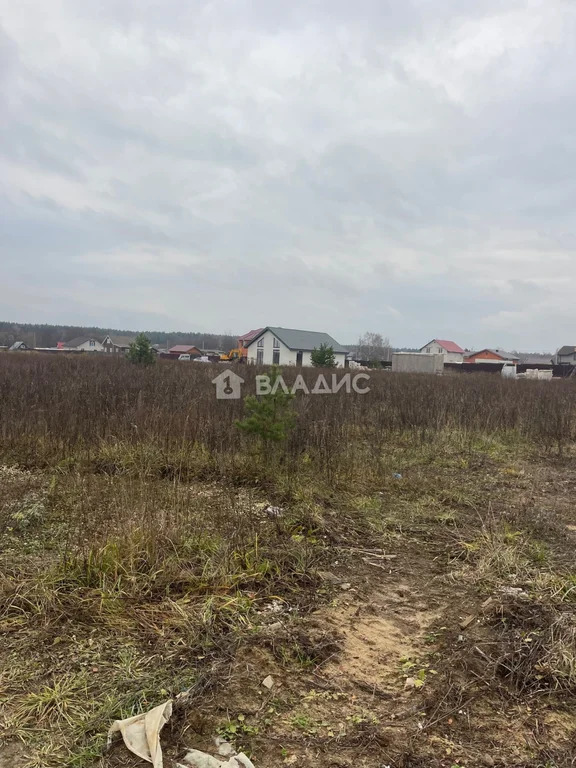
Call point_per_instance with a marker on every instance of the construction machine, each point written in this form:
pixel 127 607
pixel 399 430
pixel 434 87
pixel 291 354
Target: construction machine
pixel 237 355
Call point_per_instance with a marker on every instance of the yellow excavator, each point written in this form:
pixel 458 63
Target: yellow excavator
pixel 237 355
pixel 240 353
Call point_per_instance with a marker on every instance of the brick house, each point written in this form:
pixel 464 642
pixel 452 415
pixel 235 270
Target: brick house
pixel 184 349
pixel 491 356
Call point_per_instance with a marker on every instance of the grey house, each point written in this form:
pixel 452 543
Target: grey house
pixel 18 346
pixel 117 345
pixel 566 356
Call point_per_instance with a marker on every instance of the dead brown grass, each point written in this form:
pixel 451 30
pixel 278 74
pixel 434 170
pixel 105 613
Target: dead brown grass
pixel 164 419
pixel 138 559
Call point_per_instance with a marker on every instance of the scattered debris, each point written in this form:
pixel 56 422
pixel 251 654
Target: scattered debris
pixel 197 759
pixel 274 511
pixel 480 652
pixel 268 682
pixel 513 591
pixel 378 553
pixel 397 476
pixel 409 683
pixel 141 733
pixel 487 604
pixel 329 576
pixel 224 748
pixel 274 606
pixel 466 621
pixel 346 585
pixel 377 565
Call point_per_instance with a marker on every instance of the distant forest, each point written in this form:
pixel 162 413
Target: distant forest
pixel 42 335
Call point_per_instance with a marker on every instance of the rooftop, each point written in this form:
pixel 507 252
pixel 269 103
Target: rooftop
pixel 500 352
pixel 449 346
pixel 78 341
pixel 305 341
pixel 122 341
pixel 182 349
pixel 250 335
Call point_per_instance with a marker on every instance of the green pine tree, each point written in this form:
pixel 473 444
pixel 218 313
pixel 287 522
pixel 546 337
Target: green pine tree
pixel 323 357
pixel 269 417
pixel 141 351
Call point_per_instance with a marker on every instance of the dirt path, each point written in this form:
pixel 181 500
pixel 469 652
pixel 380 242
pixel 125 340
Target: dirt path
pixel 351 707
pixel 388 673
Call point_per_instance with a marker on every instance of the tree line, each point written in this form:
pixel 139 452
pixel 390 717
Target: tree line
pixel 45 335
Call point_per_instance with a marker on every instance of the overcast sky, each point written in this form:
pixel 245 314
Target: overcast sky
pixel 336 165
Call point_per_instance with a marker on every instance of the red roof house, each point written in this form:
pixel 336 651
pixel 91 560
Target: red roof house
pixel 450 346
pixel 246 338
pixel 492 356
pixel 453 353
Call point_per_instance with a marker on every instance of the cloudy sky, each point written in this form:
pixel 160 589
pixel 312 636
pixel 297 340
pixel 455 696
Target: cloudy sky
pixel 218 165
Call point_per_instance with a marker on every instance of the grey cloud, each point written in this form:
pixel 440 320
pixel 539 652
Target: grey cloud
pixel 396 166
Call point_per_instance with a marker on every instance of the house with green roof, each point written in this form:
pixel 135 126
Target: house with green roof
pixel 289 346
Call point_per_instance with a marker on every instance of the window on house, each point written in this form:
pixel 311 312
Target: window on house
pixel 91 343
pixel 428 350
pixel 276 344
pixel 260 342
pixel 276 357
pixel 259 356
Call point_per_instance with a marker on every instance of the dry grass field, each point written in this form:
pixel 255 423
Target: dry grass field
pixel 412 593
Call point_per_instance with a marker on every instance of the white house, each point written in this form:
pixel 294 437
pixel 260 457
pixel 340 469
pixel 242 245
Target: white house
pixel 287 346
pixel 451 351
pixel 84 343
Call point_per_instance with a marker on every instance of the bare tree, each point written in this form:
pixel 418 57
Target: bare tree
pixel 374 347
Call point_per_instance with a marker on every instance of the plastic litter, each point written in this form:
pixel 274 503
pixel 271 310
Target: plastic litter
pixel 141 733
pixel 397 476
pixel 197 759
pixel 224 748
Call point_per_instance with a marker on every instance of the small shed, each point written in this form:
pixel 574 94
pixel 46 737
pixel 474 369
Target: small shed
pixel 417 362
